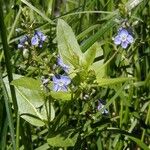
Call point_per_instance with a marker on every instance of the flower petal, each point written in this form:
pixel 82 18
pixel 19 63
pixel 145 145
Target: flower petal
pixel 130 38
pixel 55 80
pixel 123 32
pixel 117 40
pixel 124 44
pixel 55 87
pixel 66 80
pixel 64 66
pixel 43 38
pixel 35 40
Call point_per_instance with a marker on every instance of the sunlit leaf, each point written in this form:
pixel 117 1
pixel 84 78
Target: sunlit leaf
pixel 62 141
pixel 112 81
pixel 68 47
pixel 64 96
pixel 27 110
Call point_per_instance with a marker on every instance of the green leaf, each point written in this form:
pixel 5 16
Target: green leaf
pixel 62 141
pixel 15 76
pixel 27 82
pixel 99 68
pixel 132 4
pixel 30 88
pixel 68 47
pixel 89 55
pixel 85 32
pixel 27 110
pixel 28 98
pixel 112 81
pixel 43 147
pixel 64 96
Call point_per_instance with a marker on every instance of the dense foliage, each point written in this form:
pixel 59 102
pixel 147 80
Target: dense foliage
pixel 74 75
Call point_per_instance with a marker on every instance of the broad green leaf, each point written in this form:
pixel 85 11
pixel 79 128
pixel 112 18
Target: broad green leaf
pixel 64 96
pixel 112 81
pixel 62 141
pixel 15 76
pixel 27 99
pixel 95 67
pixel 34 96
pixel 27 110
pixel 30 88
pixel 68 47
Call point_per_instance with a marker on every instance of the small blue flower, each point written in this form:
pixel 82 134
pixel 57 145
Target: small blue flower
pixel 38 39
pixel 64 66
pixel 124 38
pixel 23 41
pixel 100 106
pixel 60 83
pixel 35 40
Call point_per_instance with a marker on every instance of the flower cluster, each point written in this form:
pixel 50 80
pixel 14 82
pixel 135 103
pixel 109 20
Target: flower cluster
pixel 123 38
pixel 60 83
pixel 37 40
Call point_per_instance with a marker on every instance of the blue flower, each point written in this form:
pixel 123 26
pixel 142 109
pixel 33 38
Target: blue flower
pixel 23 41
pixel 100 106
pixel 64 66
pixel 38 39
pixel 124 38
pixel 60 83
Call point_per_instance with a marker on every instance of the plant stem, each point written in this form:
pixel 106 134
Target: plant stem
pixel 7 56
pixel 17 132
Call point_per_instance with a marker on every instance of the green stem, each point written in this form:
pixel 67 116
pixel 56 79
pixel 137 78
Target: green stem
pixel 146 122
pixel 8 110
pixel 7 56
pixel 3 138
pixel 121 113
pixel 17 132
pixel 14 25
